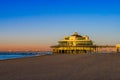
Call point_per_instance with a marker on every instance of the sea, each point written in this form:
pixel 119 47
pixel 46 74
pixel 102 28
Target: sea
pixel 14 55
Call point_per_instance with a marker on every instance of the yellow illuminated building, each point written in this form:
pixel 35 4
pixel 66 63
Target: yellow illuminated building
pixel 74 44
pixel 82 44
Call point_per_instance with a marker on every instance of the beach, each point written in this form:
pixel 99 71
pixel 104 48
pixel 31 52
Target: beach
pixel 63 67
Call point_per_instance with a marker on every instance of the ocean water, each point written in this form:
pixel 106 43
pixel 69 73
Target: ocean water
pixel 14 55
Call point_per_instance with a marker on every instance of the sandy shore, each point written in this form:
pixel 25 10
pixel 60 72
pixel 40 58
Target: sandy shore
pixel 62 67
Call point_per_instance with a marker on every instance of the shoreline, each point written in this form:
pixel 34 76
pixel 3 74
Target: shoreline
pixel 51 54
pixel 24 57
pixel 17 55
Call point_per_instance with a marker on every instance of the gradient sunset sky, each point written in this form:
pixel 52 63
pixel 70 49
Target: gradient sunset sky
pixel 38 24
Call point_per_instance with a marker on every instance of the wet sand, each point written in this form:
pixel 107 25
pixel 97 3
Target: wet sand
pixel 62 67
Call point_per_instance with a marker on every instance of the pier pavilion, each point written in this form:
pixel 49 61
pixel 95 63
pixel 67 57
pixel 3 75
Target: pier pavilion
pixel 74 44
pixel 81 44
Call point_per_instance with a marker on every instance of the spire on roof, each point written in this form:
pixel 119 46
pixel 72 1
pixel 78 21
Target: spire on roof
pixel 75 33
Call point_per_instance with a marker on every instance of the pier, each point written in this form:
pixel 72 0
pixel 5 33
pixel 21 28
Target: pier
pixel 82 44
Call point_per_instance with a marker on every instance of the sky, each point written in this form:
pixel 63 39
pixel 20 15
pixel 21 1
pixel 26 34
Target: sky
pixel 33 25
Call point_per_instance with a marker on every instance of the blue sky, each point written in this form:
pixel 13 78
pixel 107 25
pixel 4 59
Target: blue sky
pixel 37 24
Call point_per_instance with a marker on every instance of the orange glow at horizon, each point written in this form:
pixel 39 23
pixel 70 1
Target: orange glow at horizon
pixel 24 48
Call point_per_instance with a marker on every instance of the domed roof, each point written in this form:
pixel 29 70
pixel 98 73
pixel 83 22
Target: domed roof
pixel 76 34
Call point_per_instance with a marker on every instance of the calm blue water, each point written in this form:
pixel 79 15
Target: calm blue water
pixel 14 55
